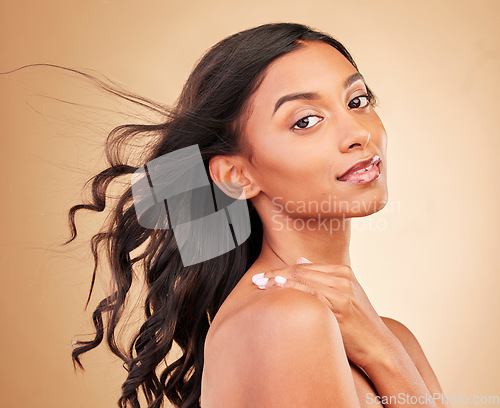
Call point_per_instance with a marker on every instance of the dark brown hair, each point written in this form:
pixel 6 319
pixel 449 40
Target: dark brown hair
pixel 181 301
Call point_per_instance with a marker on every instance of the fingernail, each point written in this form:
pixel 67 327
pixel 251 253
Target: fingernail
pixel 303 260
pixel 280 280
pixel 259 279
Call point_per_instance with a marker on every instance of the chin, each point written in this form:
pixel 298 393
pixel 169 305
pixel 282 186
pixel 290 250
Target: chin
pixel 367 203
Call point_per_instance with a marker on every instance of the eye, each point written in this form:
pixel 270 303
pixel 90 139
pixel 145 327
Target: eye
pixel 307 122
pixel 359 102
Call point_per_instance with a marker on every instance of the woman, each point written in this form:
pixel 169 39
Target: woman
pixel 281 112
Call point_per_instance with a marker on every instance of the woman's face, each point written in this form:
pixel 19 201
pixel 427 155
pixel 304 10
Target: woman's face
pixel 309 122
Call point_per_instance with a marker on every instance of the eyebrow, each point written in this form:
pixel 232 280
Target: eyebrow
pixel 314 95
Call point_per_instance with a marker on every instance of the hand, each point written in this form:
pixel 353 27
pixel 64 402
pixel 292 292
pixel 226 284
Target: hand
pixel 367 340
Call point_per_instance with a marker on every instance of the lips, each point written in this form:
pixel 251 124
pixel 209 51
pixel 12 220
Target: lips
pixel 363 166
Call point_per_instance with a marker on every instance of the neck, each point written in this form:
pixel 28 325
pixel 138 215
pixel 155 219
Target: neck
pixel 286 239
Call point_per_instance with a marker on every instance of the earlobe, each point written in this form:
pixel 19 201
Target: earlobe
pixel 228 177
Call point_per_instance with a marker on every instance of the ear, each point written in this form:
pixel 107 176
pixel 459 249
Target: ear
pixel 228 172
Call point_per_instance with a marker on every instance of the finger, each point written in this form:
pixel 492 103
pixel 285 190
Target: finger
pixel 303 274
pixel 307 289
pixel 333 297
pixel 339 270
pixel 335 269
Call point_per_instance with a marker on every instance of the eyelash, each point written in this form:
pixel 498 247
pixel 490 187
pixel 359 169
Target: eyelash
pixel 305 117
pixel 366 96
pixel 368 102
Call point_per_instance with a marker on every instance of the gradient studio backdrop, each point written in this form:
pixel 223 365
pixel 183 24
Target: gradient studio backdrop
pixel 430 259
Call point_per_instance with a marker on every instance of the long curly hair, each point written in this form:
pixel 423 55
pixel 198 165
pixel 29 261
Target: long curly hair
pixel 181 301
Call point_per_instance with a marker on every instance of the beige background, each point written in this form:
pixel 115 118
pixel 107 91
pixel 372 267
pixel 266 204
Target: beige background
pixel 430 259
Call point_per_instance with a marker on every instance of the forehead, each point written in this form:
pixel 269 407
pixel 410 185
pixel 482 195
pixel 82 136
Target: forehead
pixel 315 67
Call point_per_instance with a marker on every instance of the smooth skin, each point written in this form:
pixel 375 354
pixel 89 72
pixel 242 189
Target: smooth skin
pixel 316 340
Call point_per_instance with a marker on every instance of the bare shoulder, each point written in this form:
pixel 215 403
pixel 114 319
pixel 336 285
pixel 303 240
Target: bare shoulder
pixel 288 334
pixel 415 351
pixel 403 333
pixel 407 339
pixel 276 315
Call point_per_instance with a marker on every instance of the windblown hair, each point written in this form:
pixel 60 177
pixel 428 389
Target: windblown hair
pixel 181 301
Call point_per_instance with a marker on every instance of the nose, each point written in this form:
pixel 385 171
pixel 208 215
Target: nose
pixel 354 134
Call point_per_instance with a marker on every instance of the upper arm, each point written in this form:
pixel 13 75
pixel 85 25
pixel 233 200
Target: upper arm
pixel 414 350
pixel 292 355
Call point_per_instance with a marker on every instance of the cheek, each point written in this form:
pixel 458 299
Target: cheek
pixel 377 130
pixel 292 176
pixel 295 167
